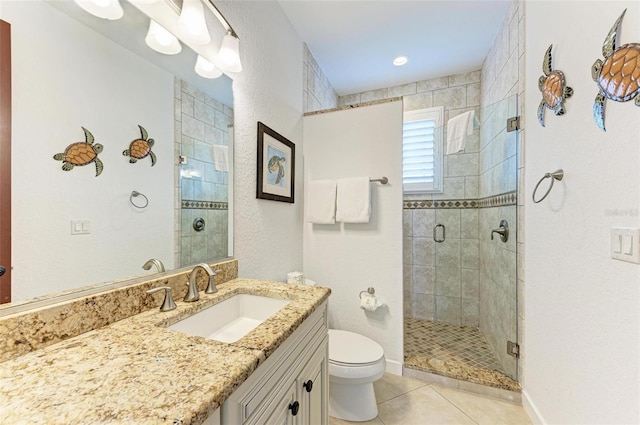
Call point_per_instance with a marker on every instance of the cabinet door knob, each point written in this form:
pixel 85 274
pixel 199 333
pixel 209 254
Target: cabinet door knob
pixel 308 385
pixel 2 270
pixel 294 408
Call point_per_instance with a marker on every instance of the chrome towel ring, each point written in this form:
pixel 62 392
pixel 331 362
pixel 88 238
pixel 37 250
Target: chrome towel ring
pixel 556 175
pixel 135 194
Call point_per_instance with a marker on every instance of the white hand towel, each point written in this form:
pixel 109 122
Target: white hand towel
pixel 354 200
pixel 221 157
pixel 321 202
pixel 458 128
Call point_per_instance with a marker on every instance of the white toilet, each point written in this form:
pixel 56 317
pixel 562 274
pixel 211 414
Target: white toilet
pixel 355 362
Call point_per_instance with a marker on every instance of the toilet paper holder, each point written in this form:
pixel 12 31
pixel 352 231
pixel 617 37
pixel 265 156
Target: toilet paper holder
pixel 369 290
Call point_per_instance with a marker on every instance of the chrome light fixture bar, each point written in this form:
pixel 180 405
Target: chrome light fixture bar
pixel 165 31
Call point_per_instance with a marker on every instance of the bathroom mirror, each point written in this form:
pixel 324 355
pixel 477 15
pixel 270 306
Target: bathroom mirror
pixel 71 71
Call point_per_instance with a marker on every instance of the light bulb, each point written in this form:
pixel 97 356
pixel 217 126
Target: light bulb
pixel 193 26
pixel 161 40
pixel 206 69
pixel 105 9
pixel 229 54
pixel 400 60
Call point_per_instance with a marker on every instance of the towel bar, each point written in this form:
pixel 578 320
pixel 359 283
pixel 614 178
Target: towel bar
pixel 556 175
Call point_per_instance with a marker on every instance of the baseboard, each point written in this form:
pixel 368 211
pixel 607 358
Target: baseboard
pixel 393 367
pixel 531 409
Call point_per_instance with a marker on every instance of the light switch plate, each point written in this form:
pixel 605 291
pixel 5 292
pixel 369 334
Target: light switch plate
pixel 625 244
pixel 80 227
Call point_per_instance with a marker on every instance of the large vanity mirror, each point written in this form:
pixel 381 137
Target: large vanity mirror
pixel 80 79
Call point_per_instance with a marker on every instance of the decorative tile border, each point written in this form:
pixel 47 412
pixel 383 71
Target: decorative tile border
pixel 501 200
pixel 504 199
pixel 204 205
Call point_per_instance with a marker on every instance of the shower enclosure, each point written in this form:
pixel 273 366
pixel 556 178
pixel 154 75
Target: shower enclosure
pixel 460 261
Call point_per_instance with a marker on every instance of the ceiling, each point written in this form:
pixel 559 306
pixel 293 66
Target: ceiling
pixel 355 42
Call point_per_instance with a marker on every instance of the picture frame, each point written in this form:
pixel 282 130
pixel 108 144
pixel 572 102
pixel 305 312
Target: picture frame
pixel 276 166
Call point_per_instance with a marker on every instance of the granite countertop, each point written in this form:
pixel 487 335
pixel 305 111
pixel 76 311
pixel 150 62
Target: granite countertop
pixel 137 371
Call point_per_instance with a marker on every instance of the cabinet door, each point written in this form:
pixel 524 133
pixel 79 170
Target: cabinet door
pixel 285 411
pixel 313 389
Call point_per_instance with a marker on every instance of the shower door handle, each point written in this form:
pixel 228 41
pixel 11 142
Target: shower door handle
pixel 435 233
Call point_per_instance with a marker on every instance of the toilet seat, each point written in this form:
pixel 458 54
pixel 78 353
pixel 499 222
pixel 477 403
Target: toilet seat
pixel 354 358
pixel 353 350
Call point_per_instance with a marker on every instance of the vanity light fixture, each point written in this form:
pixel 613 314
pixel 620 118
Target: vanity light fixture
pixel 206 69
pixel 105 9
pixel 193 27
pixel 400 60
pixel 229 53
pixel 161 40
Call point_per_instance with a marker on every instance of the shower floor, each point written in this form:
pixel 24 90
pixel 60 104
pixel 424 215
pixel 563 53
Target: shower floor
pixel 459 352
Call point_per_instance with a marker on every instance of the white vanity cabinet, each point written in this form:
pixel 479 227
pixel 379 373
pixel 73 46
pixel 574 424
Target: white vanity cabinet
pixel 292 385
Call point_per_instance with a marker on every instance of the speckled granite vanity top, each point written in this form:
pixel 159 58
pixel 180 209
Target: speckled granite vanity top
pixel 136 371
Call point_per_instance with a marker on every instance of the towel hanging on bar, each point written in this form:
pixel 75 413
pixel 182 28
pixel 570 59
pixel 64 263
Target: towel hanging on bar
pixel 353 203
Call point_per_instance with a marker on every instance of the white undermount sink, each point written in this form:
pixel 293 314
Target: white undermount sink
pixel 231 319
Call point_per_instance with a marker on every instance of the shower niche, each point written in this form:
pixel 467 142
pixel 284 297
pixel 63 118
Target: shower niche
pixel 460 283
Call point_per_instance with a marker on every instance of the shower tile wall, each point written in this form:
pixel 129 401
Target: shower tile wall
pixel 317 93
pixel 441 280
pixel 201 190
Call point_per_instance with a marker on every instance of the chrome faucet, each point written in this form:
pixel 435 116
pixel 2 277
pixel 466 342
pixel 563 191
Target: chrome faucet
pixel 192 291
pixel 154 262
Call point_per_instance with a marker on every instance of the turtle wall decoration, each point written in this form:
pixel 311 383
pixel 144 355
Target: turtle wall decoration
pixel 141 148
pixel 553 87
pixel 81 153
pixel 618 75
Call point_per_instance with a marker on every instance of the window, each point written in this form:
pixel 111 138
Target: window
pixel 422 150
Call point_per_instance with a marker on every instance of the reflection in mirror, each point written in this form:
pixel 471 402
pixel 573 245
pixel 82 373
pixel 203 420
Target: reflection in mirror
pixel 72 70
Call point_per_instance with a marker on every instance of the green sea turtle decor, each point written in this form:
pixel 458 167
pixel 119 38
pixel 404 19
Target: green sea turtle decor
pixel 81 153
pixel 553 87
pixel 276 163
pixel 618 75
pixel 141 148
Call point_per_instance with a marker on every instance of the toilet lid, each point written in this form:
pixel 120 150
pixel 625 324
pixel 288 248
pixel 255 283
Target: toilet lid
pixel 349 347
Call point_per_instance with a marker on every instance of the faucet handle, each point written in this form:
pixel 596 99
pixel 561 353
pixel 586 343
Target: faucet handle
pixel 168 304
pixel 211 288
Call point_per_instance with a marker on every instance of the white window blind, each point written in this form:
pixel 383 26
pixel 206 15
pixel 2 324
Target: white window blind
pixel 422 150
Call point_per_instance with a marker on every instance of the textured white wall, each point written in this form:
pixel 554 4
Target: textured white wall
pixel 582 326
pixel 349 258
pixel 268 237
pixel 66 76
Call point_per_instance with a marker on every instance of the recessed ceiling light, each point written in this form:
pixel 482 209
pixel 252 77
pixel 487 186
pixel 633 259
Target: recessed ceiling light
pixel 400 60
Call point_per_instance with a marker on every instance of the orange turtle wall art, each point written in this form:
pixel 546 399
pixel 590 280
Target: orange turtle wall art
pixel 81 153
pixel 618 75
pixel 141 148
pixel 553 88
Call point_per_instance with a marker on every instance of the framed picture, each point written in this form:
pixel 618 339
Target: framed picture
pixel 276 166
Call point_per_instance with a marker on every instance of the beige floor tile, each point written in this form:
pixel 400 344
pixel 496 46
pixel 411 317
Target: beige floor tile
pixel 485 410
pixel 420 407
pixel 391 386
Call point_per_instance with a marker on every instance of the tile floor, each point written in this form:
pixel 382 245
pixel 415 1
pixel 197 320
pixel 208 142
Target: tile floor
pixel 459 352
pixel 448 342
pixel 406 401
